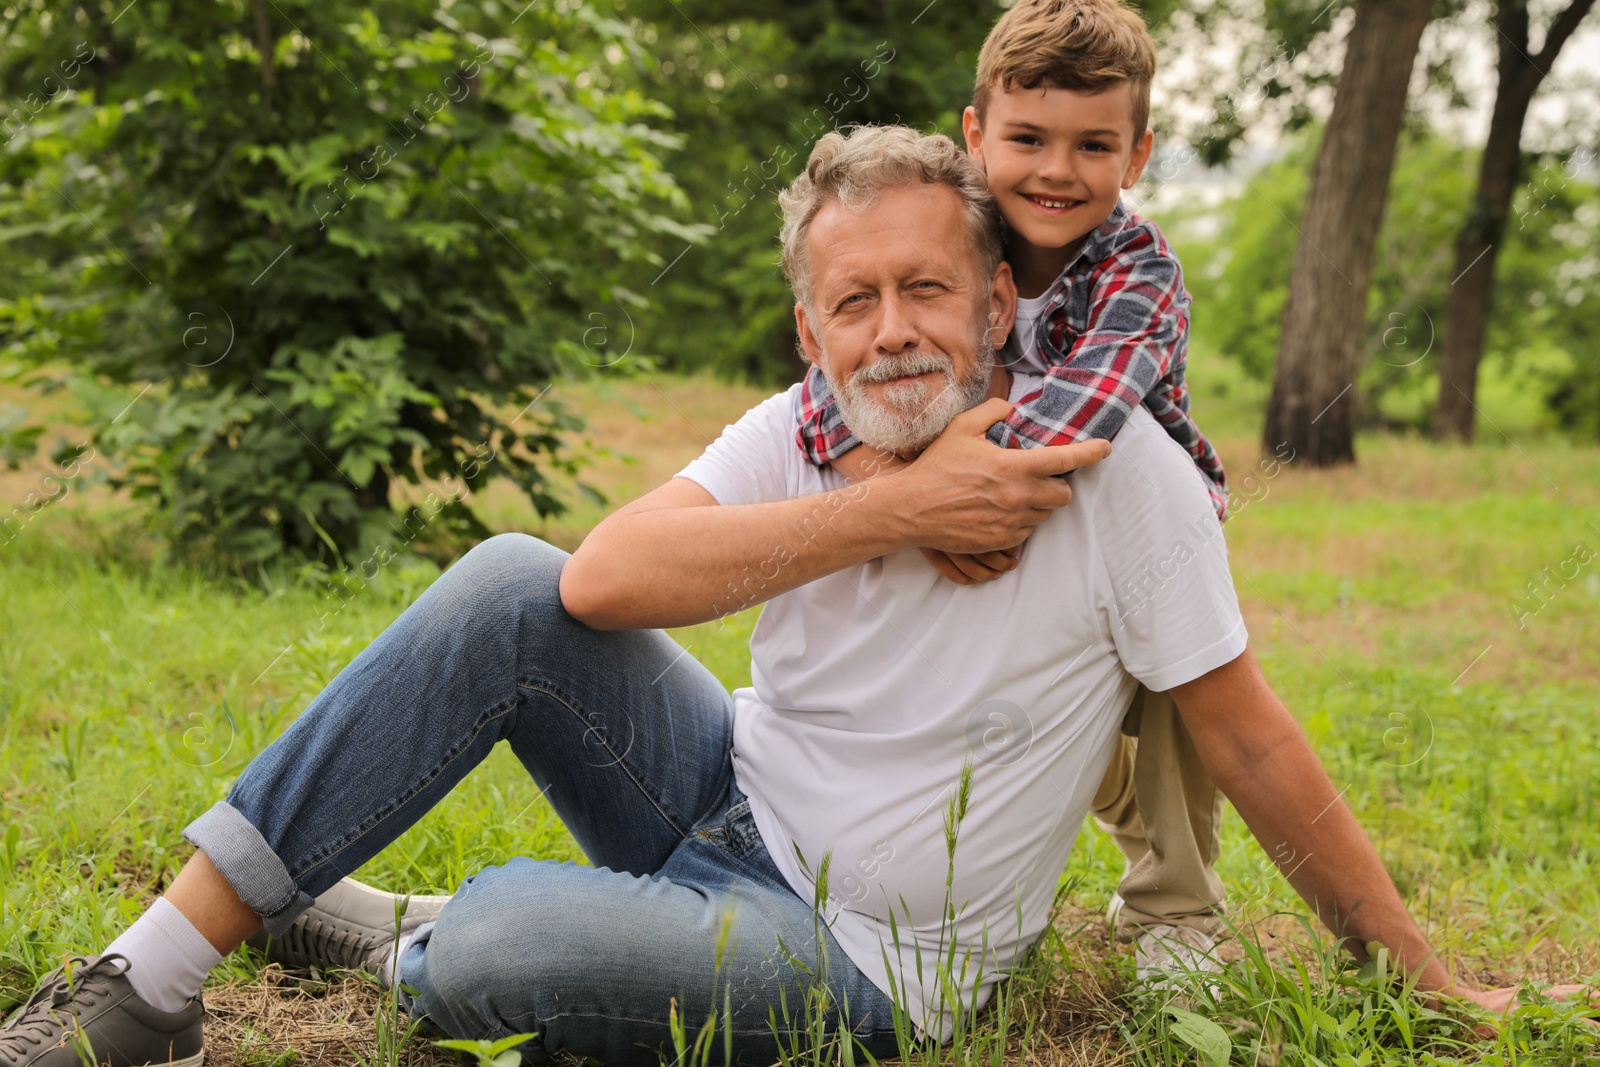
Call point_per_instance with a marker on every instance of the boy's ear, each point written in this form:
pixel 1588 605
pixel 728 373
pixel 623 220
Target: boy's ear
pixel 973 133
pixel 810 350
pixel 1140 157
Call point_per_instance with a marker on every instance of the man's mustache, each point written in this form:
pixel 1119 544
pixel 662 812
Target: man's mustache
pixel 901 366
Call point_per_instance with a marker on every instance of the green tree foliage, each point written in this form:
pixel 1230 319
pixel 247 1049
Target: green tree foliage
pixel 344 245
pixel 1271 65
pixel 1545 314
pixel 752 86
pixel 1259 63
pixel 1547 294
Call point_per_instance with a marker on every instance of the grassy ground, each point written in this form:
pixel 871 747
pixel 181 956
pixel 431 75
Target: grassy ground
pixel 1389 604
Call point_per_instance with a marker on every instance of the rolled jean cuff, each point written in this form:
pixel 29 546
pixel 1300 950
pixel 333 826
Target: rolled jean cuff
pixel 412 955
pixel 237 849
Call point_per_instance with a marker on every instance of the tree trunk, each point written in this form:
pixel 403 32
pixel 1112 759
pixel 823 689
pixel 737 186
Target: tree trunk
pixel 267 45
pixel 1312 408
pixel 1472 287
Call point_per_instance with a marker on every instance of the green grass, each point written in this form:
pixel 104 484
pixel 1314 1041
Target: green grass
pixel 132 692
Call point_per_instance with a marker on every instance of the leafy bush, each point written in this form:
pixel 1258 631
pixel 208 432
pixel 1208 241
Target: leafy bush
pixel 340 247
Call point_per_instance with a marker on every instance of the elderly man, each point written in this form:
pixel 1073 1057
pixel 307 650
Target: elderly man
pixel 900 728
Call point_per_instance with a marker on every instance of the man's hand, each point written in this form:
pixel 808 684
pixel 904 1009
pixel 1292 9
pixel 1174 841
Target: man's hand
pixel 674 557
pixel 967 497
pixel 1501 1001
pixel 964 568
pixel 1261 760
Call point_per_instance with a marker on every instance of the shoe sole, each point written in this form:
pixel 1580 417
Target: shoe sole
pixel 188 1061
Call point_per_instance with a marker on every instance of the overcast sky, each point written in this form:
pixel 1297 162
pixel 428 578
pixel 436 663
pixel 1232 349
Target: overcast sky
pixel 1565 113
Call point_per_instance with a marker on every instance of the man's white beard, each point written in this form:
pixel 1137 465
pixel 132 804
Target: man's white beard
pixel 913 413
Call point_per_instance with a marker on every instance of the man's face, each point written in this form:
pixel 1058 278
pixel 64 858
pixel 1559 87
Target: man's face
pixel 1057 160
pixel 900 319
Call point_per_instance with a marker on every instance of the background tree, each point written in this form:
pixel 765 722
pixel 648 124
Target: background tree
pixel 1320 350
pixel 1472 295
pixel 1247 67
pixel 1547 306
pixel 751 87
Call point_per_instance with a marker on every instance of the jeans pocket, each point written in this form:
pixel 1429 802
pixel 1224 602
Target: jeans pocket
pixel 741 827
pixel 735 833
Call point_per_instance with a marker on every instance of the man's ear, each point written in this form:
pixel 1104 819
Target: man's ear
pixel 973 132
pixel 1002 310
pixel 1141 156
pixel 809 348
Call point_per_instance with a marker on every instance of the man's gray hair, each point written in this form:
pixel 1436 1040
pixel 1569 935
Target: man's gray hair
pixel 853 168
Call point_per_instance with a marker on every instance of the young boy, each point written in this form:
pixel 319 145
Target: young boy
pixel 1059 123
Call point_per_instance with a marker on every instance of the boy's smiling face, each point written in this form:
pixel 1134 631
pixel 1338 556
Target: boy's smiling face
pixel 1057 161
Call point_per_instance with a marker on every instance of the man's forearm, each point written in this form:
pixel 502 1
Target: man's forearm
pixel 1329 860
pixel 1262 762
pixel 684 565
pixel 675 557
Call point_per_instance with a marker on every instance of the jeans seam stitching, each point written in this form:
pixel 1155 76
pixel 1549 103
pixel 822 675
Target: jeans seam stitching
pixel 620 760
pixel 630 1019
pixel 288 902
pixel 718 838
pixel 386 813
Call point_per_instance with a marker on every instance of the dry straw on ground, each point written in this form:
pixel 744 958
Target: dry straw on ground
pixel 280 1019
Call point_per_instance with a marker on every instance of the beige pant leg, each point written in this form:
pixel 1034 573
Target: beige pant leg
pixel 1160 806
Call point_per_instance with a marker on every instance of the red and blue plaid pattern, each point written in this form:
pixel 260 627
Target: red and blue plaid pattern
pixel 1114 333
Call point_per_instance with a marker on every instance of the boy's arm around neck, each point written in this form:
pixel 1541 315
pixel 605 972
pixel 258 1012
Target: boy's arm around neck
pixel 1135 334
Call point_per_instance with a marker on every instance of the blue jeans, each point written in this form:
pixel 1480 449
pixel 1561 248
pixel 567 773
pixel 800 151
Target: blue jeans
pixel 630 738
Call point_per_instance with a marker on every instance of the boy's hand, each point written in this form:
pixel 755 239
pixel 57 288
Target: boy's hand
pixel 863 462
pixel 968 568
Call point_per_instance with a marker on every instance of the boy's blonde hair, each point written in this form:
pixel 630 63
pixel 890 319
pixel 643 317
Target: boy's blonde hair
pixel 1081 45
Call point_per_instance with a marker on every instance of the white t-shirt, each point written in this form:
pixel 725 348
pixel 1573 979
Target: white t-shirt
pixel 872 686
pixel 1023 354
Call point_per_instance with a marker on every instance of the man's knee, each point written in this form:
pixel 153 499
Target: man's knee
pixel 495 952
pixel 514 554
pixel 507 572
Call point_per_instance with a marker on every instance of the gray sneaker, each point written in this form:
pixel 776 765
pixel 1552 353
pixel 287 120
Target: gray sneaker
pixel 95 1010
pixel 351 926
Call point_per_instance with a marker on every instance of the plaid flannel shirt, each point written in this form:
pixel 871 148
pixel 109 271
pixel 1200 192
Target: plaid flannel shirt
pixel 1114 334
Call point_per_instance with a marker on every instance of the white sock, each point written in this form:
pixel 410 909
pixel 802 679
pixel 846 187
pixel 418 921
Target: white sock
pixel 168 959
pixel 386 969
